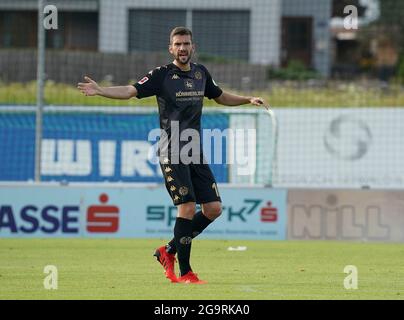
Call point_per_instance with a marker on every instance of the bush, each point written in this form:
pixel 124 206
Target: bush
pixel 204 57
pixel 400 70
pixel 295 70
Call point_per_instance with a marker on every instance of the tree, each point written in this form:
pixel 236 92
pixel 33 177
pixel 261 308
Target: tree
pixel 391 21
pixel 391 24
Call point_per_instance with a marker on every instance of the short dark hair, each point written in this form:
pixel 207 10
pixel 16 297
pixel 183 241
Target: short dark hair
pixel 182 31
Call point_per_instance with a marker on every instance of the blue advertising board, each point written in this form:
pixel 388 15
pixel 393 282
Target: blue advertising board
pixel 139 212
pixel 89 147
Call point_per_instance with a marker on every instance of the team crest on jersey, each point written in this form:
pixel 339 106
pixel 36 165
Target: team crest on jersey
pixel 175 76
pixel 189 84
pixel 143 80
pixel 198 75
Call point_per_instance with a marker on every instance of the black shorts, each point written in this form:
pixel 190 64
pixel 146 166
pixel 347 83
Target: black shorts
pixel 190 183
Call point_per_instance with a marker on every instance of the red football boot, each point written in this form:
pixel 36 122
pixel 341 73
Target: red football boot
pixel 167 260
pixel 190 277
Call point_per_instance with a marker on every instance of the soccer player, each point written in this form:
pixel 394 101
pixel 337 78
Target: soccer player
pixel 180 88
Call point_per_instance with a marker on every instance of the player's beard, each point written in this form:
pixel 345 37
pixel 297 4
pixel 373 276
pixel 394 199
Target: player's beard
pixel 182 60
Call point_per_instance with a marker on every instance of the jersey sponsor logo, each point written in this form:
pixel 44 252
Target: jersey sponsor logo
pixel 143 80
pixel 189 94
pixel 175 76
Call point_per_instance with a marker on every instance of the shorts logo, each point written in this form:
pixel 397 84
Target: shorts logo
pixel 175 76
pixel 172 188
pixel 143 80
pixel 183 191
pixel 186 240
pixel 198 75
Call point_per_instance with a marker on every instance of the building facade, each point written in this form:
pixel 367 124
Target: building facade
pixel 263 32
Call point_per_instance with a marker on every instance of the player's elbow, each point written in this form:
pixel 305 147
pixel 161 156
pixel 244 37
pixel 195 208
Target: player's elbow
pixel 221 99
pixel 132 92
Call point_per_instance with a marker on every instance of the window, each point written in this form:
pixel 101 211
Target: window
pixel 222 33
pixel 149 30
pixel 18 29
pixel 297 40
pixel 77 30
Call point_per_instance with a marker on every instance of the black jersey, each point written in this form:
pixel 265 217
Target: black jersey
pixel 179 96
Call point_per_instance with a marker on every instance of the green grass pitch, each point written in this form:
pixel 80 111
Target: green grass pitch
pixel 125 269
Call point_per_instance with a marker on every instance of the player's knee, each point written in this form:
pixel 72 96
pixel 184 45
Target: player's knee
pixel 186 210
pixel 215 211
pixel 218 210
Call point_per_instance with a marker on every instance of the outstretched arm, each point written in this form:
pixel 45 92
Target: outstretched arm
pixel 91 88
pixel 229 99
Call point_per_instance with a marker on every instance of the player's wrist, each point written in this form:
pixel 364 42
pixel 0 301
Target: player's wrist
pixel 100 91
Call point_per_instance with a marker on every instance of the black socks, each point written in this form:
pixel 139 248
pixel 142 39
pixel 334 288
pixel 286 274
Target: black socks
pixel 199 223
pixel 183 241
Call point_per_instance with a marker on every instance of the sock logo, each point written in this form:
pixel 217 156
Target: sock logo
pixel 186 240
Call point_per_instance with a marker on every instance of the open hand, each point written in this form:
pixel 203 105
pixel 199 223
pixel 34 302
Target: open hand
pixel 257 101
pixel 89 88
